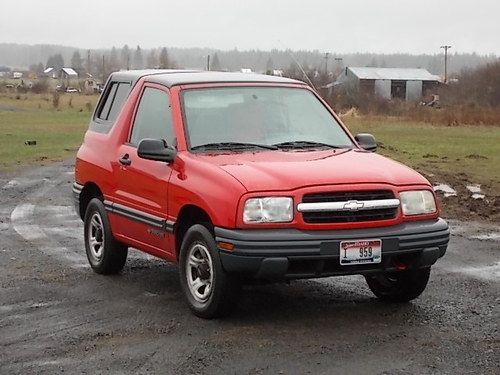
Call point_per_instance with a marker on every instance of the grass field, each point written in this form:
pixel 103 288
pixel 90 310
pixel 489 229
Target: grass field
pixel 57 132
pixel 470 151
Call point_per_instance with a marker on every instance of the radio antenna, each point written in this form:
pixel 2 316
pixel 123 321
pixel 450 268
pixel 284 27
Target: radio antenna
pixel 287 50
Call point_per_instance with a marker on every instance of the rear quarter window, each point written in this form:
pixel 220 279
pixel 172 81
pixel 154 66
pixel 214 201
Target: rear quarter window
pixel 109 106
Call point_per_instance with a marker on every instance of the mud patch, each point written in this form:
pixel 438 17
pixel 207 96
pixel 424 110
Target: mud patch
pixel 463 199
pixel 475 156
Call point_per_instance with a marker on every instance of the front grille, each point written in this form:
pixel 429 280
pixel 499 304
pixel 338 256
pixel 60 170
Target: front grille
pixel 349 216
pixel 341 196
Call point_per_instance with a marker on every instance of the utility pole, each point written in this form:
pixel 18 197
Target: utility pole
pixel 446 48
pixel 327 55
pixel 339 64
pixel 88 62
pixel 208 62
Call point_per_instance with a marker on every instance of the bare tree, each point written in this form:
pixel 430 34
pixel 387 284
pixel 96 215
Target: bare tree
pixel 55 61
pixel 113 63
pixel 125 57
pixel 77 62
pixel 152 59
pixel 215 64
pixel 164 59
pixel 138 59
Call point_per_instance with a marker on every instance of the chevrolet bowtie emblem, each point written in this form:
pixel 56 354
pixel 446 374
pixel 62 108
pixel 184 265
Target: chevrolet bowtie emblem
pixel 353 205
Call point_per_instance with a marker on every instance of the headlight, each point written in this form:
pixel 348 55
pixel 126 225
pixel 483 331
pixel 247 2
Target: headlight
pixel 417 202
pixel 268 210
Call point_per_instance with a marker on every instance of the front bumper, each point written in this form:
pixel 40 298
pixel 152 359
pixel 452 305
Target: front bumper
pixel 293 253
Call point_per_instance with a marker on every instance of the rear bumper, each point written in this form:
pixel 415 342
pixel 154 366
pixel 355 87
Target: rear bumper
pixel 292 253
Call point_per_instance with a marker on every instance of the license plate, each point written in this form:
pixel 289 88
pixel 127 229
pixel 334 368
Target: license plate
pixel 360 252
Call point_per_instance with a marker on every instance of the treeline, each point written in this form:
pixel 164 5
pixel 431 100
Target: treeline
pixel 24 56
pixel 475 87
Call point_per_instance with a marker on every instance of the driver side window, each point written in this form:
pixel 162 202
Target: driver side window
pixel 153 118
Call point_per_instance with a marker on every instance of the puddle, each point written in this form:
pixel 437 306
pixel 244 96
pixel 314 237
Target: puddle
pixel 446 189
pixel 474 188
pixel 487 236
pixel 476 191
pixel 489 272
pixel 475 230
pixel 477 196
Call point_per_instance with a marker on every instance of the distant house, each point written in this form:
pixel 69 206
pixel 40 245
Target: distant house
pixel 64 73
pixel 50 72
pixel 66 76
pixel 68 73
pixel 389 83
pixel 17 75
pixel 90 85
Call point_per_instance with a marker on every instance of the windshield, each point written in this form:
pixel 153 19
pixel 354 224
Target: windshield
pixel 259 117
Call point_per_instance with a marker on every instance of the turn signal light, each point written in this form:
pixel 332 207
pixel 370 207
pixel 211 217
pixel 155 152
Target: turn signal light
pixel 225 246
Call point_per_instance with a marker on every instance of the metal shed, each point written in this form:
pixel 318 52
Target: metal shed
pixel 390 83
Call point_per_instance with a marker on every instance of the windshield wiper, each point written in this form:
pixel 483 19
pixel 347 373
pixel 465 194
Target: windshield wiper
pixel 304 145
pixel 232 146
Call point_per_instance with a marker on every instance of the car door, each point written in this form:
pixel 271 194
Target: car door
pixel 141 194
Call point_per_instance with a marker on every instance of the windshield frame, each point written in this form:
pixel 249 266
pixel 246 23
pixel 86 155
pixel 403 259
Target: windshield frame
pixel 201 86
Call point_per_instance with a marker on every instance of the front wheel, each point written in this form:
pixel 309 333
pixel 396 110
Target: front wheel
pixel 209 290
pixel 402 286
pixel 105 254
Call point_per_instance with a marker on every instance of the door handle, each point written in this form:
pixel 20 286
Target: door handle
pixel 124 160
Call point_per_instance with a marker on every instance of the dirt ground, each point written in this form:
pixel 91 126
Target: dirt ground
pixel 463 206
pixel 57 316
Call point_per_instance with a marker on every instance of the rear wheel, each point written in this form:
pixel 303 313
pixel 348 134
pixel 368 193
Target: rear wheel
pixel 209 290
pixel 105 254
pixel 402 286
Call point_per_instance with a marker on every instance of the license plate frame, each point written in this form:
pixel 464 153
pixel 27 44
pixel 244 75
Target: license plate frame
pixel 359 252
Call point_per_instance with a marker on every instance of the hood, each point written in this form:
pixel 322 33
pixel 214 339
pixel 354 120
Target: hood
pixel 288 170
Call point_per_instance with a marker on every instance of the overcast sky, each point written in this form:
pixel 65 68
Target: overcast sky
pixel 383 26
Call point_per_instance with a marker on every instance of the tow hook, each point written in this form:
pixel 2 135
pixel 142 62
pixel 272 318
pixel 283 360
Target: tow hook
pixel 400 266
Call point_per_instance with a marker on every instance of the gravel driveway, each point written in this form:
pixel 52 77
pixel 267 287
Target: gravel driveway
pixel 56 315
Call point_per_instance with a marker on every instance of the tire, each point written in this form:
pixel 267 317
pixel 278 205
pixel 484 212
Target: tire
pixel 402 286
pixel 215 293
pixel 105 255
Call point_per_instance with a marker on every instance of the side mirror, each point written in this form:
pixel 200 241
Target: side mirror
pixel 366 141
pixel 156 149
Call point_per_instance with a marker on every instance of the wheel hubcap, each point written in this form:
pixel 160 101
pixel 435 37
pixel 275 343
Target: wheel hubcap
pixel 199 272
pixel 96 237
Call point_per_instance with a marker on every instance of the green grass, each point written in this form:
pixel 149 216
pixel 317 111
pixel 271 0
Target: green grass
pixel 473 151
pixel 58 133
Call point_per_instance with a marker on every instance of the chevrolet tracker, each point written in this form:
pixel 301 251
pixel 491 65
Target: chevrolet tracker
pixel 244 176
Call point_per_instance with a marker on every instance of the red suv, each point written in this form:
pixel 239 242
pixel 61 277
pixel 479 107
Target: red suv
pixel 245 176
